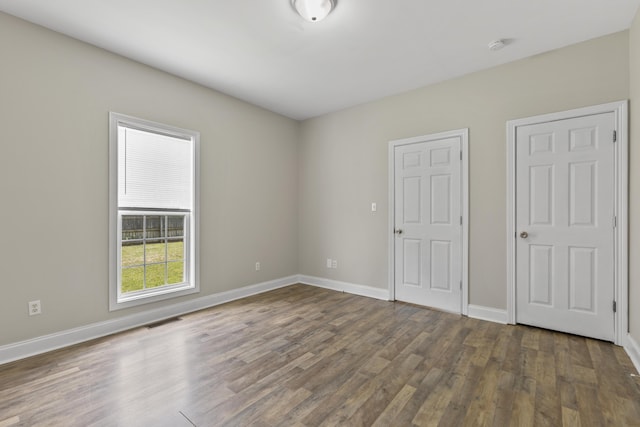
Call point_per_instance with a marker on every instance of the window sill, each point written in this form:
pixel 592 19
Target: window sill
pixel 141 298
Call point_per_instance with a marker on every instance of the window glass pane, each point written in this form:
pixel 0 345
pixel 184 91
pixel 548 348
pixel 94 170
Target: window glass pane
pixel 132 254
pixel 132 227
pixel 175 272
pixel 175 226
pixel 154 227
pixel 132 279
pixel 155 275
pixel 155 252
pixel 152 251
pixel 175 250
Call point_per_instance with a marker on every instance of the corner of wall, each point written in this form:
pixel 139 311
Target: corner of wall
pixel 633 350
pixel 634 179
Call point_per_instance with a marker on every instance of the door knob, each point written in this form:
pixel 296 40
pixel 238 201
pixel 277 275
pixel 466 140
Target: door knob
pixel 398 231
pixel 524 234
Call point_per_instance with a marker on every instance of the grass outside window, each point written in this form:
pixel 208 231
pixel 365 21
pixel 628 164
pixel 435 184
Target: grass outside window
pixel 133 265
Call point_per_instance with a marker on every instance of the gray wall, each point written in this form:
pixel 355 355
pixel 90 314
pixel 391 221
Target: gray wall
pixel 343 158
pixel 55 96
pixel 273 190
pixel 634 178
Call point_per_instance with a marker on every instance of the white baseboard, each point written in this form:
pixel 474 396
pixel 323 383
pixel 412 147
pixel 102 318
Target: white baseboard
pixel 351 288
pixel 20 350
pixel 488 313
pixel 633 350
pixel 23 349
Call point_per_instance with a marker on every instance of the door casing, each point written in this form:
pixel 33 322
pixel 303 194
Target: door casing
pixel 463 134
pixel 620 211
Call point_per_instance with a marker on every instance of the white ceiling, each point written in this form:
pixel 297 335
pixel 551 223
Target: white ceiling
pixel 261 51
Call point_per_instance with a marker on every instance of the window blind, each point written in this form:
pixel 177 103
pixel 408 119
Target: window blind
pixel 154 170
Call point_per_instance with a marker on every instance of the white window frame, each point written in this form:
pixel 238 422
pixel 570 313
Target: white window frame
pixel 118 300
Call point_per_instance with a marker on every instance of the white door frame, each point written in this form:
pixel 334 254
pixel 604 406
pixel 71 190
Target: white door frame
pixel 621 282
pixel 463 134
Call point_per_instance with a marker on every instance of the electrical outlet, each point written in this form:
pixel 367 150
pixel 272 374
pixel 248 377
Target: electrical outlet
pixel 257 266
pixel 334 263
pixel 328 262
pixel 35 308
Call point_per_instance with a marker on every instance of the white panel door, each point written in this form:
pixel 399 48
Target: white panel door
pixel 565 191
pixel 428 239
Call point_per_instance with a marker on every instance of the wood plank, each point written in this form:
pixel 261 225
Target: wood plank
pixel 9 422
pixel 570 418
pixel 389 414
pixel 304 356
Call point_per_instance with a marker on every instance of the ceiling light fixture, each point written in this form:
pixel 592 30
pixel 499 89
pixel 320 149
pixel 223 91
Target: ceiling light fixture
pixel 313 10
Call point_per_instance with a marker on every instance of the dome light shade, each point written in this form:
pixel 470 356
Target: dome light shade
pixel 313 10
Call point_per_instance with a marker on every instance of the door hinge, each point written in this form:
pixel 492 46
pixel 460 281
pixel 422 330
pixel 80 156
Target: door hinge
pixel 615 136
pixel 615 221
pixel 460 154
pixel 460 219
pixel 615 307
pixel 460 284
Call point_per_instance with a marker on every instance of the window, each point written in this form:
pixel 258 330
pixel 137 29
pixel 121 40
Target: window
pixel 153 216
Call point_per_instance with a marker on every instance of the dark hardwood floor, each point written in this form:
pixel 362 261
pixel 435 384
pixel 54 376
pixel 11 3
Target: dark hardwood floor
pixel 303 356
